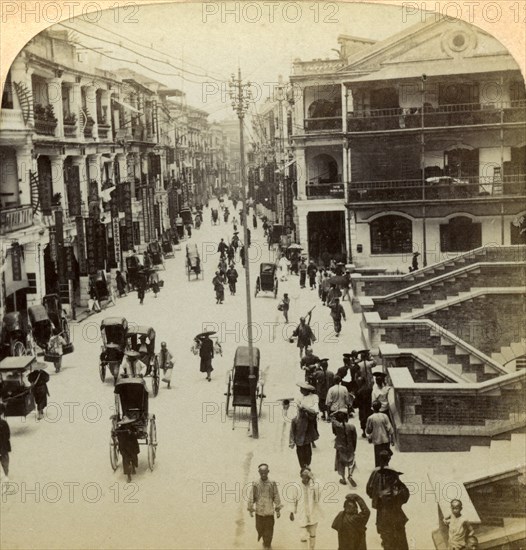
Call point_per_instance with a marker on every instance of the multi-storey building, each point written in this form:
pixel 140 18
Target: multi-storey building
pixel 413 143
pixel 88 169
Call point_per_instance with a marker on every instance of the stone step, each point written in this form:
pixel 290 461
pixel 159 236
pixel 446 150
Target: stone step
pixel 518 348
pixel 508 354
pixel 499 451
pixel 518 446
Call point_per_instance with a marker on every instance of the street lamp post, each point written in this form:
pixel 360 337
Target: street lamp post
pixel 240 96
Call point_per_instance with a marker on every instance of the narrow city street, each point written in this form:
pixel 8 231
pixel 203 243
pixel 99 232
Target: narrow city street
pixel 203 466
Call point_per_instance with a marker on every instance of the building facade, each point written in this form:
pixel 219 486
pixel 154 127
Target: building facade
pixel 91 167
pixel 411 144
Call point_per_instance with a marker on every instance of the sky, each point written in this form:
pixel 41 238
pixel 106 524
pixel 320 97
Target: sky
pixel 206 42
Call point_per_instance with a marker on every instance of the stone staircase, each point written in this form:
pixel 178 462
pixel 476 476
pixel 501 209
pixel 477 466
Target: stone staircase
pixel 508 355
pixel 382 285
pixel 438 347
pixel 493 495
pixel 445 287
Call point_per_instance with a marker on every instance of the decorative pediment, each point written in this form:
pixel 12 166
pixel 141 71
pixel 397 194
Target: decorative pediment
pixel 437 42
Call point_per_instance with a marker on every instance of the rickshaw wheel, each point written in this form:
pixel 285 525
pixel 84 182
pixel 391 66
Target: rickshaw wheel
pixel 155 377
pixel 18 349
pixel 152 444
pixel 114 453
pixel 228 394
pixel 275 288
pixel 65 331
pixel 102 372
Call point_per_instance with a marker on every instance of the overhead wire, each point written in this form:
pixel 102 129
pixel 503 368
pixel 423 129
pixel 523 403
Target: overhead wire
pixel 99 39
pixel 136 62
pixel 111 31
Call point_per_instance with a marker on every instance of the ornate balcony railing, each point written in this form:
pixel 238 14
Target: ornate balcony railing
pixel 323 124
pixel 45 127
pixel 325 190
pixel 15 218
pixel 462 114
pixel 439 188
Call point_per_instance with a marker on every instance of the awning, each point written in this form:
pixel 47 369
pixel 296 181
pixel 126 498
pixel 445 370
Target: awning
pixel 127 106
pixel 285 166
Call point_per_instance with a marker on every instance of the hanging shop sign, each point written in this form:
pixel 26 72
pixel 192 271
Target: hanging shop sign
pixel 81 242
pixel 116 239
pixel 101 249
pixel 91 246
pixel 16 261
pixel 59 245
pixel 128 217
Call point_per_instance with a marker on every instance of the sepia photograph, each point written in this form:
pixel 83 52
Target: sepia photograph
pixel 263 275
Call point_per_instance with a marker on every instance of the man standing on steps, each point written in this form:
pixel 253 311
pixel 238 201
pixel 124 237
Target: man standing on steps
pixel 264 501
pixel 380 433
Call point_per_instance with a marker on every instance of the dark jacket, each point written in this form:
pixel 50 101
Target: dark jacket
pixel 5 438
pixel 206 350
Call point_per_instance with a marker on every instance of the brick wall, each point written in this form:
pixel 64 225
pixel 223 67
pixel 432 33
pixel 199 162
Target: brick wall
pixel 488 276
pixel 378 287
pixel 488 322
pixel 505 498
pixel 448 408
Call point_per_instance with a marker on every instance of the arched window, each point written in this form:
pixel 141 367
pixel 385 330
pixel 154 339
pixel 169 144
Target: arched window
pixel 391 235
pixel 460 234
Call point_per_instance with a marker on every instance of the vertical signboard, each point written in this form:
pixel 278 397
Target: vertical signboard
pixel 59 245
pixel 128 216
pixel 72 178
pixel 116 240
pixel 151 212
pixel 81 244
pixel 91 252
pixel 101 246
pixel 146 224
pixel 16 262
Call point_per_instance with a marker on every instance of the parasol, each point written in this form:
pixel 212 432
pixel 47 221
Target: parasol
pixel 205 334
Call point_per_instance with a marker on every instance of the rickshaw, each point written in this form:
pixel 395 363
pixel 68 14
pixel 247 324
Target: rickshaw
pixel 186 215
pixel 59 319
pixel 215 216
pixel 131 400
pixel 156 254
pixel 238 382
pixel 193 262
pixel 267 280
pixel 166 245
pixel 142 339
pixel 276 231
pixel 113 331
pixel 133 266
pixel 101 285
pixel 42 327
pixel 16 334
pixel 15 390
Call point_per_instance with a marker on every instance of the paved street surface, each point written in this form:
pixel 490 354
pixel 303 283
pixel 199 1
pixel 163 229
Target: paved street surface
pixel 67 495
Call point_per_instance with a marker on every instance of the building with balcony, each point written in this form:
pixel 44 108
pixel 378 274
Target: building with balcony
pixel 424 132
pixel 87 158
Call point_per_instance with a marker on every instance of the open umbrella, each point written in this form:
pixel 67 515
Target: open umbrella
pixel 205 334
